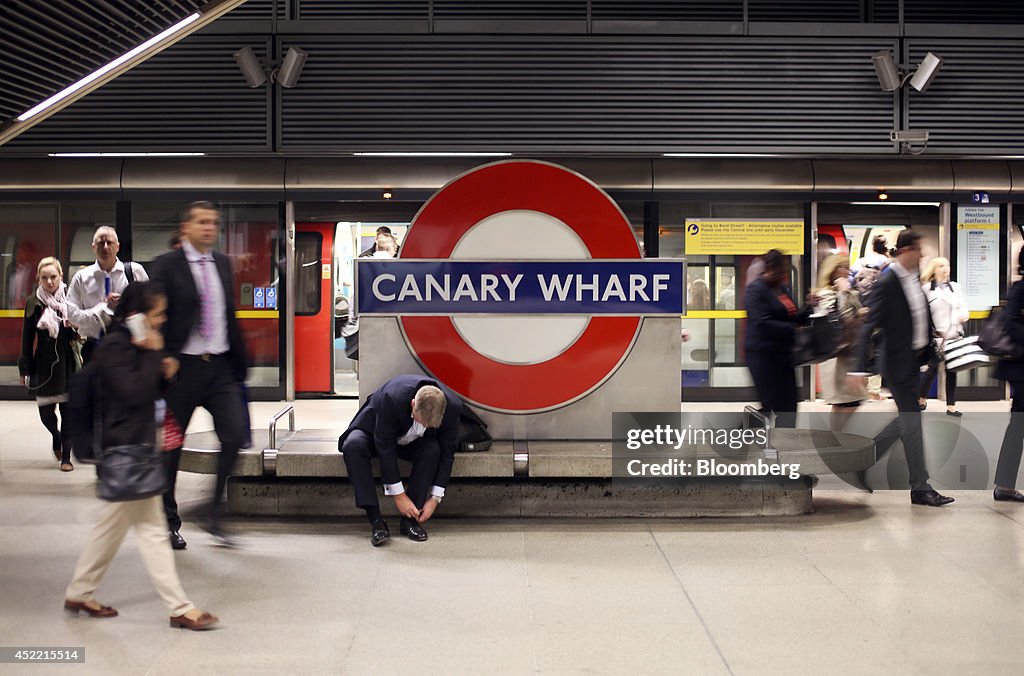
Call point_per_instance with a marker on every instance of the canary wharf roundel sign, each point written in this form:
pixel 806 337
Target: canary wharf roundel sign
pixel 520 286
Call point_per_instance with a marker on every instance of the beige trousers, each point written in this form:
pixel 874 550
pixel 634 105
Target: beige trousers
pixel 151 532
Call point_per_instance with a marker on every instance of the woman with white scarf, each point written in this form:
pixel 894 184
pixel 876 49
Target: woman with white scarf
pixel 48 357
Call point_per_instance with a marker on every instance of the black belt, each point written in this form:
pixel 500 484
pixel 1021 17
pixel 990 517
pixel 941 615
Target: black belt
pixel 206 356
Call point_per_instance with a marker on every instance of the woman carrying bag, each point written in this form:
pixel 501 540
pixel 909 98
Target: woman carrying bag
pixel 834 293
pixel 48 353
pixel 131 371
pixel 949 314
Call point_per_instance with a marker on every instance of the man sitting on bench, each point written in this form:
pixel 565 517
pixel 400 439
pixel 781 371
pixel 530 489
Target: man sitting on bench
pixel 410 417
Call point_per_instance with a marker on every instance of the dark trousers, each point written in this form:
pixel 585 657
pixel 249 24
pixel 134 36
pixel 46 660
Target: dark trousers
pixel 1013 439
pixel 906 426
pixel 48 414
pixel 210 384
pixel 928 377
pixel 424 453
pixel 775 381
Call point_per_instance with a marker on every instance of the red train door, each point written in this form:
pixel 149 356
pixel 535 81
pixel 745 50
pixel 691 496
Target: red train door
pixel 314 307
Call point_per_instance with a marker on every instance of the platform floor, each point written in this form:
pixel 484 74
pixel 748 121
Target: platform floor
pixel 866 585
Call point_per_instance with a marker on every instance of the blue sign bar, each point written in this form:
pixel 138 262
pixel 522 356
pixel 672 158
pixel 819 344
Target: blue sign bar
pixel 587 287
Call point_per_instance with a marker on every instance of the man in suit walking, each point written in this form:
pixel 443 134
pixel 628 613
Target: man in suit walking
pixel 203 334
pixel 899 310
pixel 410 417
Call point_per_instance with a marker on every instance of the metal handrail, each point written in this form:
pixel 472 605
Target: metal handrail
pixel 769 451
pixel 290 410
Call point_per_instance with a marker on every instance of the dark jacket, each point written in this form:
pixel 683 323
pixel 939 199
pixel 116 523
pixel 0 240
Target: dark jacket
pixel 889 313
pixel 387 415
pixel 770 327
pixel 172 271
pixel 130 384
pixel 50 361
pixel 1013 321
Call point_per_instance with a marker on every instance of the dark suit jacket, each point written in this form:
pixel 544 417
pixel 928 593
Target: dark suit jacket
pixel 770 327
pixel 130 384
pixel 387 415
pixel 890 313
pixel 172 271
pixel 1013 321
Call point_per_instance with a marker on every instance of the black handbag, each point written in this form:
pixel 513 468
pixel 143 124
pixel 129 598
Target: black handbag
pixel 994 339
pixel 818 340
pixel 350 332
pixel 128 472
pixel 473 434
pixel 131 472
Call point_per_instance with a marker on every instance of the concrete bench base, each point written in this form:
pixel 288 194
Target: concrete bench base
pixel 306 475
pixel 704 497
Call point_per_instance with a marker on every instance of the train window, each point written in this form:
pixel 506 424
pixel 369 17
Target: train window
pixel 308 246
pixel 249 236
pixel 28 233
pixel 698 287
pixel 725 287
pixel 78 223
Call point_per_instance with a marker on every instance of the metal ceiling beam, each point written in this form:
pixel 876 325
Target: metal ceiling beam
pixel 207 14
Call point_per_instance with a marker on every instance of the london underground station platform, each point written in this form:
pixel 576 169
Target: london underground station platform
pixel 864 584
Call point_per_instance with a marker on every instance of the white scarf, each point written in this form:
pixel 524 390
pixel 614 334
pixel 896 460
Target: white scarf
pixel 56 309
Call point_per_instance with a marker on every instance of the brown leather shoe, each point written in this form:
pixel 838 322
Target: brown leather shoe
pixel 79 606
pixel 204 621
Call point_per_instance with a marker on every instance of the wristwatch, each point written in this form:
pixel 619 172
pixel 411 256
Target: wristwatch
pixel 437 498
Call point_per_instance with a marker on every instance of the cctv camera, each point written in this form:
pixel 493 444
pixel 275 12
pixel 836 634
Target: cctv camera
pixel 252 69
pixel 926 72
pixel 886 70
pixel 291 67
pixel 908 136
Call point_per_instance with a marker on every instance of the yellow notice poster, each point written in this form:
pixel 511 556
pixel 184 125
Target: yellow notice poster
pixel 743 237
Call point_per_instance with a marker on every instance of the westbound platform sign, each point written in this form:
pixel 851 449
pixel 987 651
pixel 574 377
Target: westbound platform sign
pixel 520 285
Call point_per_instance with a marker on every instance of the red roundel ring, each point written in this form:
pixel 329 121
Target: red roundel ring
pixel 599 223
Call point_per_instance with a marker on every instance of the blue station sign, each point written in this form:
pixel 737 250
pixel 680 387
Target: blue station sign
pixel 635 287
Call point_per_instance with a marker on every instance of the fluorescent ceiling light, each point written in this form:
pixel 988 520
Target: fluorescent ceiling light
pixel 895 204
pixel 60 96
pixel 718 155
pixel 418 154
pixel 127 154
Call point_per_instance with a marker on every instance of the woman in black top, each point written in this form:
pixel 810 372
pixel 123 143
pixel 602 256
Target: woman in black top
pixel 48 352
pixel 1013 439
pixel 131 371
pixel 772 318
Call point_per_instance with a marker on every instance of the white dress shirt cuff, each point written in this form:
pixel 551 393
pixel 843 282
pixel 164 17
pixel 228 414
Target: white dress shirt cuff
pixel 437 491
pixel 394 489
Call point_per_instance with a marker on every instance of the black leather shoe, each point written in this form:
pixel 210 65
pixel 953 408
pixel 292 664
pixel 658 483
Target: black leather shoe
pixel 379 533
pixel 930 498
pixel 955 414
pixel 413 530
pixel 177 542
pixel 1001 495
